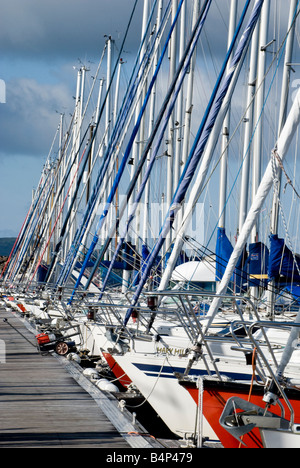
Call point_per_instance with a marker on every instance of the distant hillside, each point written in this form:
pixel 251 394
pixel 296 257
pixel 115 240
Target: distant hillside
pixel 6 244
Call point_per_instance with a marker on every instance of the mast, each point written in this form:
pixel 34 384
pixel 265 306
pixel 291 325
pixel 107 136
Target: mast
pixel 76 145
pixel 282 119
pixel 115 114
pixel 91 156
pixel 151 124
pixel 135 149
pixel 188 110
pixel 170 138
pixel 226 129
pixel 107 181
pixel 199 182
pixel 285 95
pixel 84 162
pixel 257 151
pixel 248 129
pixel 140 147
pixel 118 135
pixel 178 127
pixel 62 158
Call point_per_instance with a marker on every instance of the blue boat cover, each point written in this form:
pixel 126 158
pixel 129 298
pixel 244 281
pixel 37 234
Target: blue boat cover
pixel 224 250
pixel 256 265
pixel 131 261
pixel 282 261
pixel 295 291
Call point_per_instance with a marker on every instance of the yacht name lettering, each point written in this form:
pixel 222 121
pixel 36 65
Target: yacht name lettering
pixel 173 351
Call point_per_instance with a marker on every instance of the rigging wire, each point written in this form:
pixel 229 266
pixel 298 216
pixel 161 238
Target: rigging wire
pixel 204 132
pixel 95 130
pixel 174 88
pixel 131 92
pixel 278 56
pixel 128 149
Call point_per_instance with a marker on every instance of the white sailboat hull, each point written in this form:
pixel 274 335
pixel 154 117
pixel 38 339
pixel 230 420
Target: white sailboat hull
pixel 159 386
pixel 152 366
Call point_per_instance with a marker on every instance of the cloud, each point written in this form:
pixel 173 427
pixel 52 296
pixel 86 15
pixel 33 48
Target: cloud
pixel 40 41
pixel 60 28
pixel 29 118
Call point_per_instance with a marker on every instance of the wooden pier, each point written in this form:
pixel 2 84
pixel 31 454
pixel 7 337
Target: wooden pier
pixel 46 402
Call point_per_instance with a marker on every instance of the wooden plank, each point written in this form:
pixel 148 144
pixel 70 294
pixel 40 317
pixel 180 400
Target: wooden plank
pixel 41 405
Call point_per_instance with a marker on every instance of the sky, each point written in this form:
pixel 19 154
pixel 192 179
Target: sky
pixel 42 44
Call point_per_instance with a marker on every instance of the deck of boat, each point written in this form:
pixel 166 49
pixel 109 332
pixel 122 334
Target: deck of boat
pixel 46 402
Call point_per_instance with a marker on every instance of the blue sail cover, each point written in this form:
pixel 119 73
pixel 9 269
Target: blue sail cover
pixel 224 250
pixel 145 256
pixel 282 261
pixel 294 291
pixel 256 265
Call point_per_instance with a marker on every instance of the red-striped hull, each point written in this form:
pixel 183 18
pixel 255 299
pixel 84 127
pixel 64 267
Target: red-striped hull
pixel 215 397
pixel 117 370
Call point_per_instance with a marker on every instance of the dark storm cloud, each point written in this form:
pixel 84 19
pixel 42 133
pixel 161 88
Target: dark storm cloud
pixel 63 27
pixel 41 41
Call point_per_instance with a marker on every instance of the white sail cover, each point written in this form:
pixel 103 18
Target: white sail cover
pixel 281 149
